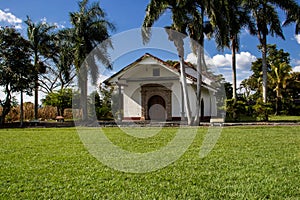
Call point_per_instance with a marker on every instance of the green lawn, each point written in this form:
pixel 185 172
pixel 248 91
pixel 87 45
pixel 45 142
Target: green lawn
pixel 246 163
pixel 272 118
pixel 284 118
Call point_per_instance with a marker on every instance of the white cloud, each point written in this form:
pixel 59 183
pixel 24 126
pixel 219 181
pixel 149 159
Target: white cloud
pixel 6 16
pixel 295 62
pixel 223 62
pixel 296 69
pixel 243 60
pixel 227 69
pixel 296 65
pixel 192 58
pixel 297 37
pixel 44 20
pixel 59 26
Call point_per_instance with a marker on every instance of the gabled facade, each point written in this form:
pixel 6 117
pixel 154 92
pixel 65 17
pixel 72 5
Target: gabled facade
pixel 150 89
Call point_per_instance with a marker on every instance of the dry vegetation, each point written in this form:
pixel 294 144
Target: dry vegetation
pixel 45 113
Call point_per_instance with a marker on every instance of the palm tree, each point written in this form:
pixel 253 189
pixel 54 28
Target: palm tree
pixel 196 34
pixel 267 22
pixel 237 17
pixel 280 72
pixel 175 32
pixel 41 43
pixel 90 28
pixel 198 28
pixel 293 16
pixel 64 59
pixel 188 17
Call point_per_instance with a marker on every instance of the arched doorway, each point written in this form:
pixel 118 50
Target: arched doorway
pixel 159 95
pixel 157 108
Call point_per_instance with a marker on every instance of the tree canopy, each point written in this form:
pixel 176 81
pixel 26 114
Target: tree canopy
pixel 15 67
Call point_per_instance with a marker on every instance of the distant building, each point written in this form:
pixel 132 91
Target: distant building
pixel 150 89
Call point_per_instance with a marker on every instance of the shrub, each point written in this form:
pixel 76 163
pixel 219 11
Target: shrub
pixel 68 113
pixel 262 110
pixel 235 109
pixel 47 112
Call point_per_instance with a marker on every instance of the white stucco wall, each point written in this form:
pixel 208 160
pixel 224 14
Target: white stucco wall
pixel 134 100
pixel 206 100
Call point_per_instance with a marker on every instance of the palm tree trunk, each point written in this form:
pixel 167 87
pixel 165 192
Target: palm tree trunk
pixel 36 99
pixel 233 59
pixel 36 87
pixel 185 92
pixel 233 63
pixel 278 100
pixel 264 68
pixel 199 83
pixel 83 94
pixel 265 71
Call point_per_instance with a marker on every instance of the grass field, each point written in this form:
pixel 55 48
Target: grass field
pixel 284 118
pixel 246 163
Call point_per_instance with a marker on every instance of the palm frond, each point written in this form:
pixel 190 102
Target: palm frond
pixel 153 11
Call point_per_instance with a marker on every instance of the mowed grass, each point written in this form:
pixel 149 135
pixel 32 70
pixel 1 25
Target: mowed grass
pixel 246 163
pixel 284 118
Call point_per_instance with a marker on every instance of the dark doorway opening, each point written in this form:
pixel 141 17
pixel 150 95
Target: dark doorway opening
pixel 202 109
pixel 157 108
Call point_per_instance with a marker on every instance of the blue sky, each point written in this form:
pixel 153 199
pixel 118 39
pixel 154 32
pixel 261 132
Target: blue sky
pixel 127 15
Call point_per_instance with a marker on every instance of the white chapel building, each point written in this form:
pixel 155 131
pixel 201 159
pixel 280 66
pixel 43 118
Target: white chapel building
pixel 150 89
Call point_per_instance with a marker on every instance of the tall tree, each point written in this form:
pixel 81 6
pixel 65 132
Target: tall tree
pixel 15 67
pixel 205 19
pixel 279 62
pixel 175 32
pixel 267 22
pixel 279 76
pixel 197 27
pixel 90 29
pixel 197 19
pixel 42 46
pixel 236 17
